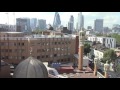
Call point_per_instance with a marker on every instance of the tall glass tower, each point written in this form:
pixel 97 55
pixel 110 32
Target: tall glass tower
pixel 57 21
pixel 71 23
pixel 80 21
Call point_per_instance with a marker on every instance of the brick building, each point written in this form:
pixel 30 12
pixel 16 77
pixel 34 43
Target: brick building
pixel 15 48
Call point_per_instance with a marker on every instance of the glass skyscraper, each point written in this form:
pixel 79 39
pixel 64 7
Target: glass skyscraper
pixel 57 21
pixel 80 21
pixel 24 24
pixel 71 23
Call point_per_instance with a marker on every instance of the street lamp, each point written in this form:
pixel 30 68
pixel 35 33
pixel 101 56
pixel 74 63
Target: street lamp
pixel 106 69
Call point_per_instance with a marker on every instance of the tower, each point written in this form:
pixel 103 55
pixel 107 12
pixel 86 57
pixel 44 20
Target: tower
pixel 81 48
pixel 57 21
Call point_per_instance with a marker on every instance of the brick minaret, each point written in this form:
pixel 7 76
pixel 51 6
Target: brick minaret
pixel 81 49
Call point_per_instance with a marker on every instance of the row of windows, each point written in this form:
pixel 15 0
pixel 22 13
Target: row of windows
pixel 53 49
pixel 10 50
pixel 12 57
pixel 52 43
pixel 11 44
pixel 38 50
pixel 38 57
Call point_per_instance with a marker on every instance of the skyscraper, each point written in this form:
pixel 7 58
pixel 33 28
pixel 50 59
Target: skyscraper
pixel 71 23
pixel 57 21
pixel 33 23
pixel 23 24
pixel 98 25
pixel 42 24
pixel 80 21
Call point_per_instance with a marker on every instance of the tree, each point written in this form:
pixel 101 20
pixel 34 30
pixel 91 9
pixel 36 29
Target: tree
pixel 87 48
pixel 109 56
pixel 117 37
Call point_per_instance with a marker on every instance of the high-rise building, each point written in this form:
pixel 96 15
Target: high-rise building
pixel 89 27
pixel 71 23
pixel 42 24
pixel 80 21
pixel 57 21
pixel 98 25
pixel 23 24
pixel 33 23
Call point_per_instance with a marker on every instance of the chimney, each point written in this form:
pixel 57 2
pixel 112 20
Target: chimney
pixel 81 49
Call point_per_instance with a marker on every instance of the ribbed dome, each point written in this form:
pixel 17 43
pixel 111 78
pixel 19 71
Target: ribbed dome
pixel 30 68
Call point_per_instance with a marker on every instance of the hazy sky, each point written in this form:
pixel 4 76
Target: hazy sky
pixel 110 18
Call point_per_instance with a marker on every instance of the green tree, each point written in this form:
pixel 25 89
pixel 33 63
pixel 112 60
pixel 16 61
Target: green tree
pixel 87 48
pixel 109 55
pixel 117 37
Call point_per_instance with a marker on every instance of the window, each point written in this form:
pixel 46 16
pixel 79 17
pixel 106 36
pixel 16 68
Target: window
pixel 42 56
pixel 47 56
pixel 55 55
pixel 10 50
pixel 38 57
pixel 22 44
pixel 23 57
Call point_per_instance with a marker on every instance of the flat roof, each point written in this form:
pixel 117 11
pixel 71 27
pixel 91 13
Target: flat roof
pixel 11 32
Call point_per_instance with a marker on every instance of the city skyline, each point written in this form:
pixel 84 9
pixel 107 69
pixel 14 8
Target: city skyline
pixel 110 18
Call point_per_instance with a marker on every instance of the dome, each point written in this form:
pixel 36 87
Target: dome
pixel 30 68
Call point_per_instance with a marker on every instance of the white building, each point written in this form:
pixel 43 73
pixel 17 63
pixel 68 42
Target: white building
pixel 105 41
pixel 98 54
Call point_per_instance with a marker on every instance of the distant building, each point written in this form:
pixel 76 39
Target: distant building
pixel 57 21
pixel 105 41
pixel 71 23
pixel 106 30
pixel 98 25
pixel 80 21
pixel 116 28
pixel 42 24
pixel 89 27
pixel 8 28
pixel 23 25
pixel 33 23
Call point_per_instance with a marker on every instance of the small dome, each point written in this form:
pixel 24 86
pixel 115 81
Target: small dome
pixel 30 68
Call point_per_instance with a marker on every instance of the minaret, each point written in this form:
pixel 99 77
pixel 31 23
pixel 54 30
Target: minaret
pixel 81 48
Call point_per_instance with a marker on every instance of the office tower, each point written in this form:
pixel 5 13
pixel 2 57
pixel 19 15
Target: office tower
pixel 89 27
pixel 57 21
pixel 98 25
pixel 42 24
pixel 23 25
pixel 71 23
pixel 80 21
pixel 33 23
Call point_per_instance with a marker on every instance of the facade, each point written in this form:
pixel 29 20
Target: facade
pixel 98 25
pixel 80 21
pixel 5 27
pixel 23 25
pixel 71 23
pixel 57 21
pixel 98 54
pixel 105 41
pixel 33 23
pixel 42 24
pixel 47 49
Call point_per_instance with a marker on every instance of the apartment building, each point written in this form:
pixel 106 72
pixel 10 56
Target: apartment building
pixel 105 41
pixel 15 47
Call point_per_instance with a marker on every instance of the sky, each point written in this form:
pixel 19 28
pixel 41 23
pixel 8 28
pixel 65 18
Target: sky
pixel 110 18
